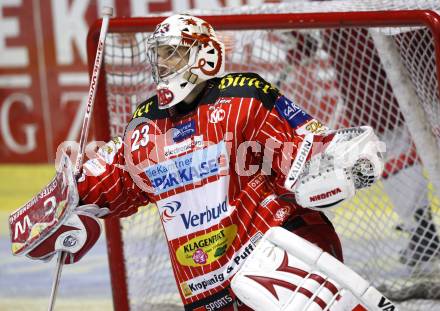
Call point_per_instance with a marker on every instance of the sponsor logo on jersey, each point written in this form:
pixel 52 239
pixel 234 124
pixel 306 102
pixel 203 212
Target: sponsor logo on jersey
pixel 200 256
pixel 183 146
pixel 193 217
pixel 194 288
pixel 187 169
pixel 185 130
pixel 169 210
pixel 243 81
pixel 214 278
pixel 201 208
pixel 185 289
pixel 291 112
pixel 223 100
pixel 257 181
pixel 268 199
pixel 220 251
pixel 214 302
pixel 219 304
pixel 142 109
pixel 312 127
pixel 325 195
pixel 94 167
pixel 202 249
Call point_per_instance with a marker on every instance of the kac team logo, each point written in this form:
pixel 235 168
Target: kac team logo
pixel 170 209
pixel 217 115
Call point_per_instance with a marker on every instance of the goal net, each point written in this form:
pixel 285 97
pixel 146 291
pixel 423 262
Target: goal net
pixel 347 64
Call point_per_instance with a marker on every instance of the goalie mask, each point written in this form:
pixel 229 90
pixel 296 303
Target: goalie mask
pixel 183 51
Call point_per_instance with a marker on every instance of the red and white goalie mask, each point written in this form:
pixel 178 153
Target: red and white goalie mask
pixel 183 51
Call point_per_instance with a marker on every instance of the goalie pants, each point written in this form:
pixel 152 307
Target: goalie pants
pixel 315 227
pixel 312 226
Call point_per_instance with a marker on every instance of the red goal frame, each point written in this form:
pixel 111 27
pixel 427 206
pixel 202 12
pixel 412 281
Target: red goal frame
pixel 427 18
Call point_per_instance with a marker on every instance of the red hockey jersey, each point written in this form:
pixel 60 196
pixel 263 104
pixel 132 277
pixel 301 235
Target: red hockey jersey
pixel 214 168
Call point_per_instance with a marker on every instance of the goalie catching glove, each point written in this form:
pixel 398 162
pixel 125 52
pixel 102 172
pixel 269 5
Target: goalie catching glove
pixel 350 160
pixel 286 272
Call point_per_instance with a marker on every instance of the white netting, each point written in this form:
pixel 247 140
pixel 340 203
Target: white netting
pixel 338 75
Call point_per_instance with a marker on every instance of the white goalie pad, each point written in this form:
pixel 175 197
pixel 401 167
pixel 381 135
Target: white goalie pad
pixel 286 272
pixel 350 161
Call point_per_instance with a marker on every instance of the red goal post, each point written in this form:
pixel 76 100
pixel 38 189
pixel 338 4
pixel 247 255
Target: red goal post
pixel 300 21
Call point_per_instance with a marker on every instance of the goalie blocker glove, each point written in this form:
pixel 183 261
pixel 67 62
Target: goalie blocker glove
pixel 52 221
pixel 351 160
pixel 76 236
